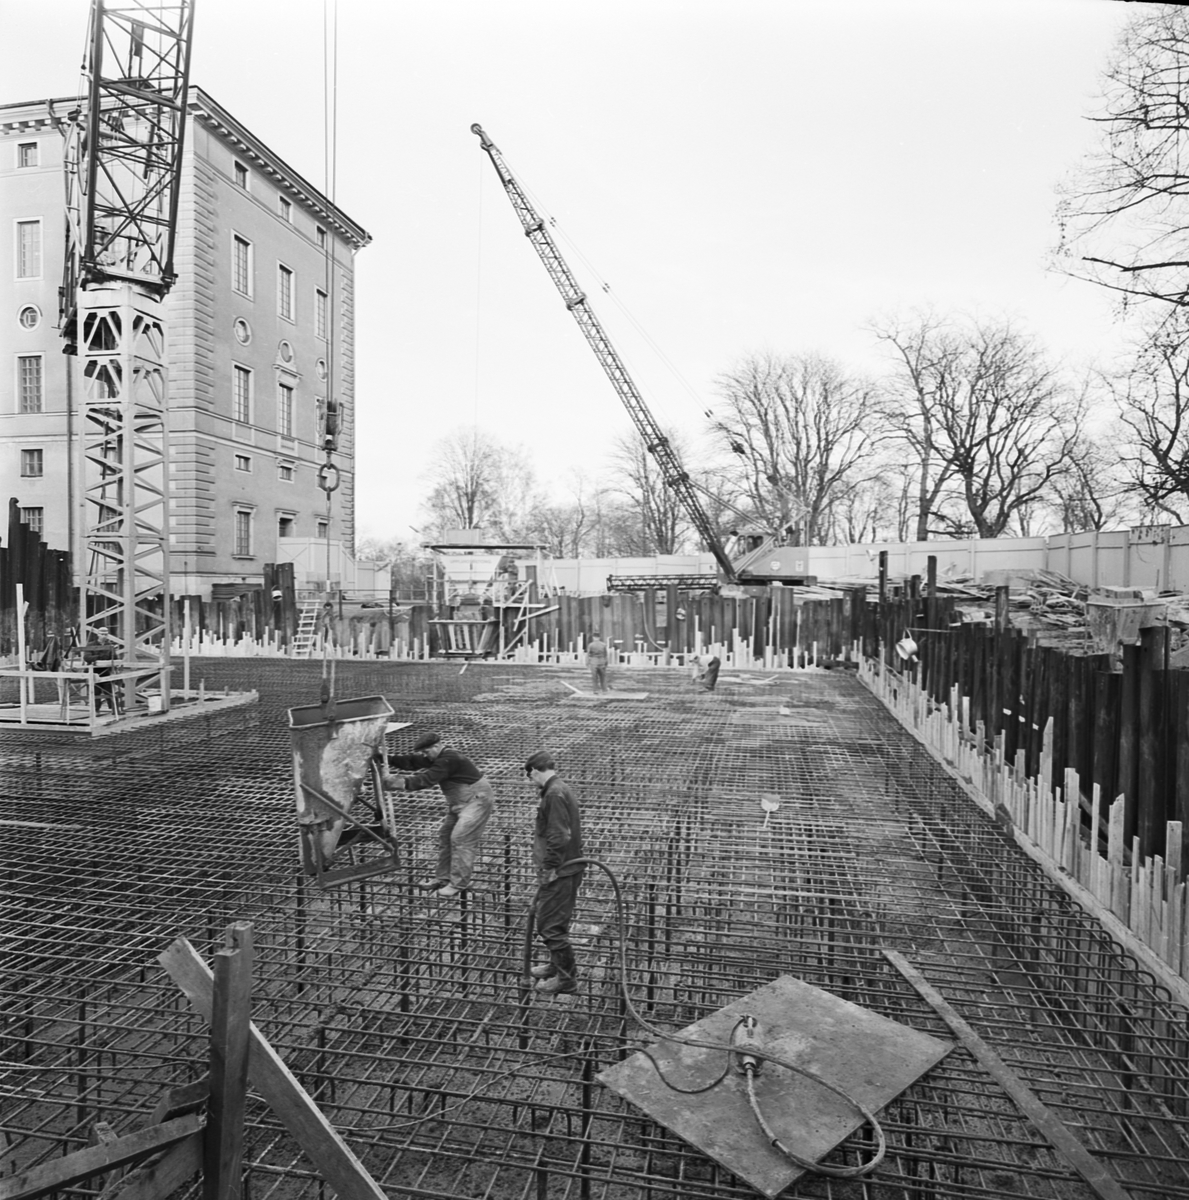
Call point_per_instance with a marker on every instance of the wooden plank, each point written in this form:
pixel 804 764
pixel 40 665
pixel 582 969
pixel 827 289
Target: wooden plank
pixel 1179 736
pixel 1058 1134
pixel 64 1172
pixel 275 1082
pixel 231 1015
pixel 180 1101
pixel 1128 758
pixel 1106 732
pixel 161 1178
pixel 1150 806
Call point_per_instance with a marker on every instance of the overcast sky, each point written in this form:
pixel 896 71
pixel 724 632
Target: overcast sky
pixel 746 175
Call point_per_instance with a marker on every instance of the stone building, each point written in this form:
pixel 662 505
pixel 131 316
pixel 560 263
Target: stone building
pixel 260 323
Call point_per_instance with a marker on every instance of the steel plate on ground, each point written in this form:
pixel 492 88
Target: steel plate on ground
pixel 864 1055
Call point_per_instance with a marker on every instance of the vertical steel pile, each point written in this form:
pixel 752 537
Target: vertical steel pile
pixel 409 1018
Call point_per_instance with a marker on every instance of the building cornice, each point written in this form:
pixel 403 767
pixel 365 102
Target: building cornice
pixel 216 118
pixel 34 116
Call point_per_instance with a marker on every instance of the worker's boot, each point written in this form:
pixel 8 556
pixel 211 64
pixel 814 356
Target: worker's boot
pixel 565 981
pixel 543 971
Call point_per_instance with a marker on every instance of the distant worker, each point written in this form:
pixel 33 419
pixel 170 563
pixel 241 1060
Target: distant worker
pixel 469 804
pixel 709 676
pixel 507 572
pixel 557 841
pixel 326 623
pixel 596 660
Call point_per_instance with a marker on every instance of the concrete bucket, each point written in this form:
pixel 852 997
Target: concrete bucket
pixel 337 783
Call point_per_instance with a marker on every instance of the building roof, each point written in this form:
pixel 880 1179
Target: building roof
pixel 31 115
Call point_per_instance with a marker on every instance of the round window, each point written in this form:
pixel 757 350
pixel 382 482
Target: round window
pixel 243 331
pixel 29 316
pixel 321 368
pixel 286 352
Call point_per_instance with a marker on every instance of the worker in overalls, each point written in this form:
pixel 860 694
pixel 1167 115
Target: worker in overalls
pixel 469 805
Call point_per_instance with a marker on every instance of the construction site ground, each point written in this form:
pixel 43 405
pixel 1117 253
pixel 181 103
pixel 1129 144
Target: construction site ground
pixel 408 1017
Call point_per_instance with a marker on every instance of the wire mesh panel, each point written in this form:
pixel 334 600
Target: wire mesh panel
pixel 410 1018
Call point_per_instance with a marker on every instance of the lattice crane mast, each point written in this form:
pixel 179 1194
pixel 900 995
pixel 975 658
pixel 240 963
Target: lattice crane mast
pixel 123 180
pixel 658 445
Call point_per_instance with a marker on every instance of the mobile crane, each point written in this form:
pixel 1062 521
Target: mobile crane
pixel 754 548
pixel 123 180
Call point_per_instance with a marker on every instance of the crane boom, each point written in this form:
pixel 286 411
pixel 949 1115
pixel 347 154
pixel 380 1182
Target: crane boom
pixel 655 441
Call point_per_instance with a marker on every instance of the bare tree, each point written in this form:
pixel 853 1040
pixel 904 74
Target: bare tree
pixel 1153 399
pixel 478 483
pixel 989 420
pixel 928 359
pixel 464 475
pixel 660 515
pixel 799 429
pixel 1090 493
pixel 565 526
pixel 1124 216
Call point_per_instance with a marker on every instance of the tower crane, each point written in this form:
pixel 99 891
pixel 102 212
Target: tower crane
pixel 658 445
pixel 123 179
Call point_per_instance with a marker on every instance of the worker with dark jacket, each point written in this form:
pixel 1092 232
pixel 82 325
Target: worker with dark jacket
pixel 557 842
pixel 469 804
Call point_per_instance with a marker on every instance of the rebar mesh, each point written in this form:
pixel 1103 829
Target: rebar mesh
pixel 408 1017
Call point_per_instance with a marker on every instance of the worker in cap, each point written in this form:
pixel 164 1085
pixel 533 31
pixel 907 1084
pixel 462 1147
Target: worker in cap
pixel 557 842
pixel 469 804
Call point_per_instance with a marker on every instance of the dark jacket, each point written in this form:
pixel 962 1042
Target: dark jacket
pixel 558 834
pixel 448 771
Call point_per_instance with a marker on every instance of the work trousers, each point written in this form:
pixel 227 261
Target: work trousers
pixel 598 678
pixel 470 808
pixel 554 912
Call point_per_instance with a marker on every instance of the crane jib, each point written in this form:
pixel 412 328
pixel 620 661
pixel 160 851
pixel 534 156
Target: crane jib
pixel 673 473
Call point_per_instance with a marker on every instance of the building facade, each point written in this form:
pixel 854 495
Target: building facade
pixel 260 333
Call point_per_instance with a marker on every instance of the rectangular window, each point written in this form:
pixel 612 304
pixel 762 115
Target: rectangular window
pixel 30 385
pixel 243 462
pixel 285 472
pixel 284 410
pixel 34 518
pixel 286 210
pixel 285 292
pixel 29 249
pixel 320 310
pixel 27 154
pixel 241 175
pixel 32 463
pixel 321 235
pixel 241 265
pixel 241 395
pixel 243 533
pixel 323 529
pixel 286 527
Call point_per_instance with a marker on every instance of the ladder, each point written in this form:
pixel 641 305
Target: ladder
pixel 307 629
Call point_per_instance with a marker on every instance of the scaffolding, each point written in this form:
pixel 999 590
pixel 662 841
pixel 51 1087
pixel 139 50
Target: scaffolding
pixel 411 1022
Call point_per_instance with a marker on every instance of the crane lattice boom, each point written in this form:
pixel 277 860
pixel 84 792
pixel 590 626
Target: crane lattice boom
pixel 657 444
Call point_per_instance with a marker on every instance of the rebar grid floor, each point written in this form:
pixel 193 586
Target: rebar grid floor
pixel 408 1018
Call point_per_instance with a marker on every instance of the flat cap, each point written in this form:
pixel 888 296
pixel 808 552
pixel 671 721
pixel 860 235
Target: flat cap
pixel 430 739
pixel 541 761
